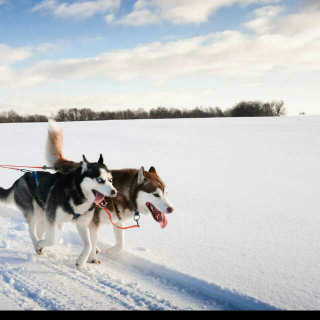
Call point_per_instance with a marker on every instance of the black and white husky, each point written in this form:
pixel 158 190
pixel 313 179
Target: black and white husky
pixel 48 200
pixel 137 190
pixel 73 197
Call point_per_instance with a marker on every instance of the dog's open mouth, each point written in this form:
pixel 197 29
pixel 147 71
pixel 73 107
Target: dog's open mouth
pixel 98 197
pixel 157 215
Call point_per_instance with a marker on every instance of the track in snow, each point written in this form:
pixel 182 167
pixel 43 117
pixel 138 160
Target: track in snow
pixel 124 282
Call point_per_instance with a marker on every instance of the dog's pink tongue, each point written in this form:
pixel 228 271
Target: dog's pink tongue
pixel 163 222
pixel 98 198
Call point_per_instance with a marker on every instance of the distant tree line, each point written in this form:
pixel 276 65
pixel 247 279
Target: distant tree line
pixel 13 116
pixel 257 109
pixel 158 113
pixel 242 109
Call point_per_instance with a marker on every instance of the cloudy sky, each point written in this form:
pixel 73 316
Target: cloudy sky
pixel 116 54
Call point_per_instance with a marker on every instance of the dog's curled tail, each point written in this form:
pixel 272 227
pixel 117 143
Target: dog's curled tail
pixel 53 153
pixel 54 144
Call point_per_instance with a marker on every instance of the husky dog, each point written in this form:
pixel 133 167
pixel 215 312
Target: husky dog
pixel 49 199
pixel 137 190
pixel 73 197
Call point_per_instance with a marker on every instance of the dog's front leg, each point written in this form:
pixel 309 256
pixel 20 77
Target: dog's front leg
pixel 93 258
pixel 119 235
pixel 85 236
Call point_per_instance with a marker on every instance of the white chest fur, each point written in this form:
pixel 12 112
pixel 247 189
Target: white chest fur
pixel 84 207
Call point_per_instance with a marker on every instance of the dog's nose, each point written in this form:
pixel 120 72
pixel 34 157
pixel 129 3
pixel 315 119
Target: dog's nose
pixel 170 209
pixel 113 193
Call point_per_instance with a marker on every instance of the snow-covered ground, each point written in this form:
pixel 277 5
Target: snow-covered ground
pixel 244 234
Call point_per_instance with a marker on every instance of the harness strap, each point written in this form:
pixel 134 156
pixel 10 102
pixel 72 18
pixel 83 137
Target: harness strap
pixel 136 212
pixel 75 215
pixel 36 179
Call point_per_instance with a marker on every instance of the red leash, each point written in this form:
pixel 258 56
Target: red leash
pixel 122 228
pixel 14 167
pixel 3 167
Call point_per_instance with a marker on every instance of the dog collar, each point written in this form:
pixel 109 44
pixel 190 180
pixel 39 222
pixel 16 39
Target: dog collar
pixel 77 215
pixel 74 214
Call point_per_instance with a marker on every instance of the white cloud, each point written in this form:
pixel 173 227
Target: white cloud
pixel 305 22
pixel 9 77
pixel 109 18
pixel 50 102
pixel 140 18
pixel 229 54
pixel 77 9
pixel 285 45
pixel 145 12
pixel 11 55
pixel 179 11
pixel 222 93
pixel 46 47
pixel 264 18
pixel 310 5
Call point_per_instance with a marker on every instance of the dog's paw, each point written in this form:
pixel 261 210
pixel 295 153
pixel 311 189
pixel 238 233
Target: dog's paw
pixel 96 261
pixel 81 266
pixel 38 248
pixel 39 251
pixel 113 250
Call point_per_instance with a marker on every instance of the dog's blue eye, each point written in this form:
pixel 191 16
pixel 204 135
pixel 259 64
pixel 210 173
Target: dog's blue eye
pixel 156 195
pixel 100 180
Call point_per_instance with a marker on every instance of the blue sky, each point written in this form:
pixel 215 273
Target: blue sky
pixel 117 54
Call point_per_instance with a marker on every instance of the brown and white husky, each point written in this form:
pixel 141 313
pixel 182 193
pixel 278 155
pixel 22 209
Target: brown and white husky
pixel 139 190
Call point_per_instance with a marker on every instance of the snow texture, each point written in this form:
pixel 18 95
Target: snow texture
pixel 244 233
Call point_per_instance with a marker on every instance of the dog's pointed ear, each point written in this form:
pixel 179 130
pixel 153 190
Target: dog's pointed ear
pixel 84 165
pixel 153 170
pixel 100 161
pixel 141 176
pixel 85 159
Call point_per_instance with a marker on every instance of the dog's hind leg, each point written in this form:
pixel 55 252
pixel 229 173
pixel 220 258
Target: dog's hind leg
pixel 119 235
pixel 28 206
pixel 32 230
pixel 40 227
pixel 50 239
